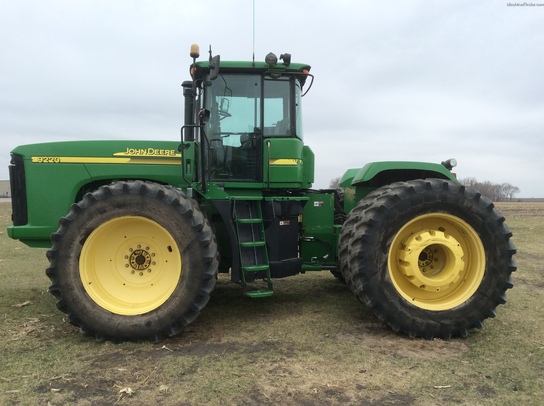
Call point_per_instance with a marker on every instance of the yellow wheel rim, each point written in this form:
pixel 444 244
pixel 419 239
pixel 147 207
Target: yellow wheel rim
pixel 436 261
pixel 130 265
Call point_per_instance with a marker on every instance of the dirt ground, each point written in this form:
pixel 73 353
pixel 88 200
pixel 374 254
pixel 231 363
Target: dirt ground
pixel 311 343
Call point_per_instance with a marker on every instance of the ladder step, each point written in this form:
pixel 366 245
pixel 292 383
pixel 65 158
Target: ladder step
pixel 259 293
pixel 249 221
pixel 248 217
pixel 253 244
pixel 256 268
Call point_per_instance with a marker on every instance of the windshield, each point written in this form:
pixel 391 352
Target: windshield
pixel 277 111
pixel 235 104
pixel 244 108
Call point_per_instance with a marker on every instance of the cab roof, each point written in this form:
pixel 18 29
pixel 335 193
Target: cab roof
pixel 203 67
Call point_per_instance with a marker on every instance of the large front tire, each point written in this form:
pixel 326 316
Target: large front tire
pixel 431 258
pixel 133 261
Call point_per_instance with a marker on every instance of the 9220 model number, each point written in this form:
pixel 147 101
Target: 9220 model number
pixel 46 159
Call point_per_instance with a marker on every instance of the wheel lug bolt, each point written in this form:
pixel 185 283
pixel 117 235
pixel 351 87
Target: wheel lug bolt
pixel 141 273
pixel 132 272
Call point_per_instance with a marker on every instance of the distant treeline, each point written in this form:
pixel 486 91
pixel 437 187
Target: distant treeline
pixel 497 192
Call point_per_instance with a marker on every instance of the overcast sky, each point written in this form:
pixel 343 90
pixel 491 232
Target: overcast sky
pixel 411 80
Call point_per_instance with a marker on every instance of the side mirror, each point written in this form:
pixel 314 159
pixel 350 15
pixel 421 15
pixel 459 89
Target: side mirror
pixel 224 107
pixel 214 68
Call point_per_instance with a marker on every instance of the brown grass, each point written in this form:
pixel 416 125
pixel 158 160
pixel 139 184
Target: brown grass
pixel 311 343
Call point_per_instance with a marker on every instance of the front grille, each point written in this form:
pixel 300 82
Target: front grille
pixel 19 215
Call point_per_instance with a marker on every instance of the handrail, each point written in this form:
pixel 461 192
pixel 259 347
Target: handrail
pixel 268 161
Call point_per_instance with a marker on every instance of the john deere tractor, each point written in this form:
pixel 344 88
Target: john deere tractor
pixel 138 231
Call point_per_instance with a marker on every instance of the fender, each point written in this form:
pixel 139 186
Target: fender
pixel 359 182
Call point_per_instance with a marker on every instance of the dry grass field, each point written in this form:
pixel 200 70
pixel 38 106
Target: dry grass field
pixel 311 343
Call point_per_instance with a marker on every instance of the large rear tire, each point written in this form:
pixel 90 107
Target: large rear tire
pixel 348 228
pixel 431 258
pixel 133 261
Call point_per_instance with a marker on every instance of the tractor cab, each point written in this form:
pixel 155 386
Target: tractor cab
pixel 245 119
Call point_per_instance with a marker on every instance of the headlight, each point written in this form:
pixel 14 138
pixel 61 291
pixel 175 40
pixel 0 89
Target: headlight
pixel 450 163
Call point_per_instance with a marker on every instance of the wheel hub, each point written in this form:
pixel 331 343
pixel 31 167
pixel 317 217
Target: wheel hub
pixel 140 260
pixel 436 261
pixel 130 265
pixel 431 260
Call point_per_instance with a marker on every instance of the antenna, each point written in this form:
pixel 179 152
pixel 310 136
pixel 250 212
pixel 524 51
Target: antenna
pixel 253 32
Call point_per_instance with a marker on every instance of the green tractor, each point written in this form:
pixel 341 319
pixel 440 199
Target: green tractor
pixel 138 231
